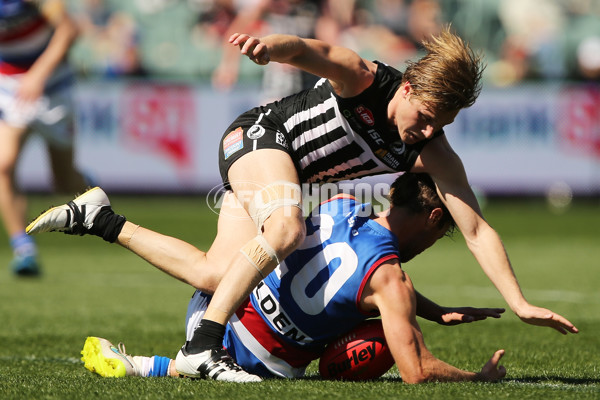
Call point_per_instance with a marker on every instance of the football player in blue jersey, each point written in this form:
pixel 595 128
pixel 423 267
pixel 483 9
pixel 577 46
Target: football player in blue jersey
pixel 35 96
pixel 362 118
pixel 347 269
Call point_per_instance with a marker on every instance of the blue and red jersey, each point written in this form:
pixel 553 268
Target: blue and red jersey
pixel 313 295
pixel 24 35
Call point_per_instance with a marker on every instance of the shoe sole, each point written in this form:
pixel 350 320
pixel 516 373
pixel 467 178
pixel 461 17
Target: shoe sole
pixel 28 272
pixel 48 211
pixel 26 269
pixel 95 361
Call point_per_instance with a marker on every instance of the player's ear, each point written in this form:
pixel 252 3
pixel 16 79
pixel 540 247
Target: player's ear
pixel 405 89
pixel 435 216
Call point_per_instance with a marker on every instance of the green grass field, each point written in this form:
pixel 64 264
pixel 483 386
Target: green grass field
pixel 90 287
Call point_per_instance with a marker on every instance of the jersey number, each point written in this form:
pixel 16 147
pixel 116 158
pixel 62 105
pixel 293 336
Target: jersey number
pixel 348 262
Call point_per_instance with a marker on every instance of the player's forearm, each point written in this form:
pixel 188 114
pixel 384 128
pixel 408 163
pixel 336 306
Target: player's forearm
pixel 310 55
pixel 415 362
pixel 285 48
pixel 491 255
pixel 435 370
pixel 427 308
pixel 431 369
pixel 60 43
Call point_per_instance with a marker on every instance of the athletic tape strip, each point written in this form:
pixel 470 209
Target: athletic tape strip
pixel 272 197
pixel 261 255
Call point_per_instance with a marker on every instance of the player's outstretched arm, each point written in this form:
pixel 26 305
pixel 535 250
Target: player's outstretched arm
pixel 432 311
pixel 347 71
pixel 390 291
pixel 445 167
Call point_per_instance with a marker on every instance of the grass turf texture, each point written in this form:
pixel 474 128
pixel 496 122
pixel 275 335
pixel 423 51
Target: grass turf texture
pixel 90 287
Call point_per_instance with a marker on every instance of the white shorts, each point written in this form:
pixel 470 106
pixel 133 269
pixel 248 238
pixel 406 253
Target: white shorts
pixel 51 115
pixel 196 309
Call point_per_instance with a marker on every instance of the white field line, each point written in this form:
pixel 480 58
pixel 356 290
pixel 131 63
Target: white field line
pixel 578 387
pixel 60 360
pixel 533 295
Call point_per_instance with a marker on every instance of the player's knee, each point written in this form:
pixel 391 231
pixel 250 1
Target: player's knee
pixel 277 211
pixel 7 168
pixel 285 232
pixel 205 274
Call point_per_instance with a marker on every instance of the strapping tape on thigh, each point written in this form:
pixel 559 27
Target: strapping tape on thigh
pixel 272 197
pixel 261 255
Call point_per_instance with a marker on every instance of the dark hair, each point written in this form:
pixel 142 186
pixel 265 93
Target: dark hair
pixel 418 193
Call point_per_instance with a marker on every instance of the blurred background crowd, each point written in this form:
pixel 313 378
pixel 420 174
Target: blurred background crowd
pixel 183 39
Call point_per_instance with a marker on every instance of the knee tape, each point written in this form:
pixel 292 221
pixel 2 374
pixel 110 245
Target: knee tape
pixel 261 255
pixel 272 197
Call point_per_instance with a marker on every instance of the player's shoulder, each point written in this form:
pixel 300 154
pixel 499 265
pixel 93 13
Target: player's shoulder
pixel 384 82
pixel 339 205
pixel 385 73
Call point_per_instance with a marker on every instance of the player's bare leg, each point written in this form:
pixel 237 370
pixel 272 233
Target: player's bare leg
pixel 67 179
pixel 13 205
pixel 92 213
pixel 202 270
pixel 263 173
pixel 284 230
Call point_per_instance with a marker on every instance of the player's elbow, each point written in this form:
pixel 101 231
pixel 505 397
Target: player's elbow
pixel 414 377
pixel 478 234
pixel 413 374
pixel 421 372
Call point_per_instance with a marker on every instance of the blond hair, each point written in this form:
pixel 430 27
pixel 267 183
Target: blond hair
pixel 448 77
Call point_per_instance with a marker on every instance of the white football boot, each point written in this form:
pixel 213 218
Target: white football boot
pixel 75 217
pixel 214 364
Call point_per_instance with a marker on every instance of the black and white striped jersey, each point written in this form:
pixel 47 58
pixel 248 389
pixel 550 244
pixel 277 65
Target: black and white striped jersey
pixel 334 138
pixel 329 138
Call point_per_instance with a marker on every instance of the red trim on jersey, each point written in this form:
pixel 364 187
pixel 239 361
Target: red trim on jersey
pixel 24 30
pixel 294 356
pixel 375 265
pixel 339 197
pixel 11 69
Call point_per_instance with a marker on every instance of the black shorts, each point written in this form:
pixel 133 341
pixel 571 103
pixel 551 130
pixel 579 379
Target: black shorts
pixel 251 131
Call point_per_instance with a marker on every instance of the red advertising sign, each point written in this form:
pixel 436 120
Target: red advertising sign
pixel 160 118
pixel 579 127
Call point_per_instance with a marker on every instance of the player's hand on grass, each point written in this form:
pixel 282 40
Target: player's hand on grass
pixel 491 371
pixel 543 317
pixel 461 315
pixel 251 47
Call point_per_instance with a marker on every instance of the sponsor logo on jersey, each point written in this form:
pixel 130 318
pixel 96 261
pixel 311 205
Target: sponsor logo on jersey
pixel 376 137
pixel 365 115
pixel 398 147
pixel 279 320
pixel 255 132
pixel 388 158
pixel 280 140
pixel 233 142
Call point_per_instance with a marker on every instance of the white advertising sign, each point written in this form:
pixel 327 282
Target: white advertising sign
pixel 151 137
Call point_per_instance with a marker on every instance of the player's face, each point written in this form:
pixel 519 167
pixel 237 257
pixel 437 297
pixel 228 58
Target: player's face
pixel 414 120
pixel 421 242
